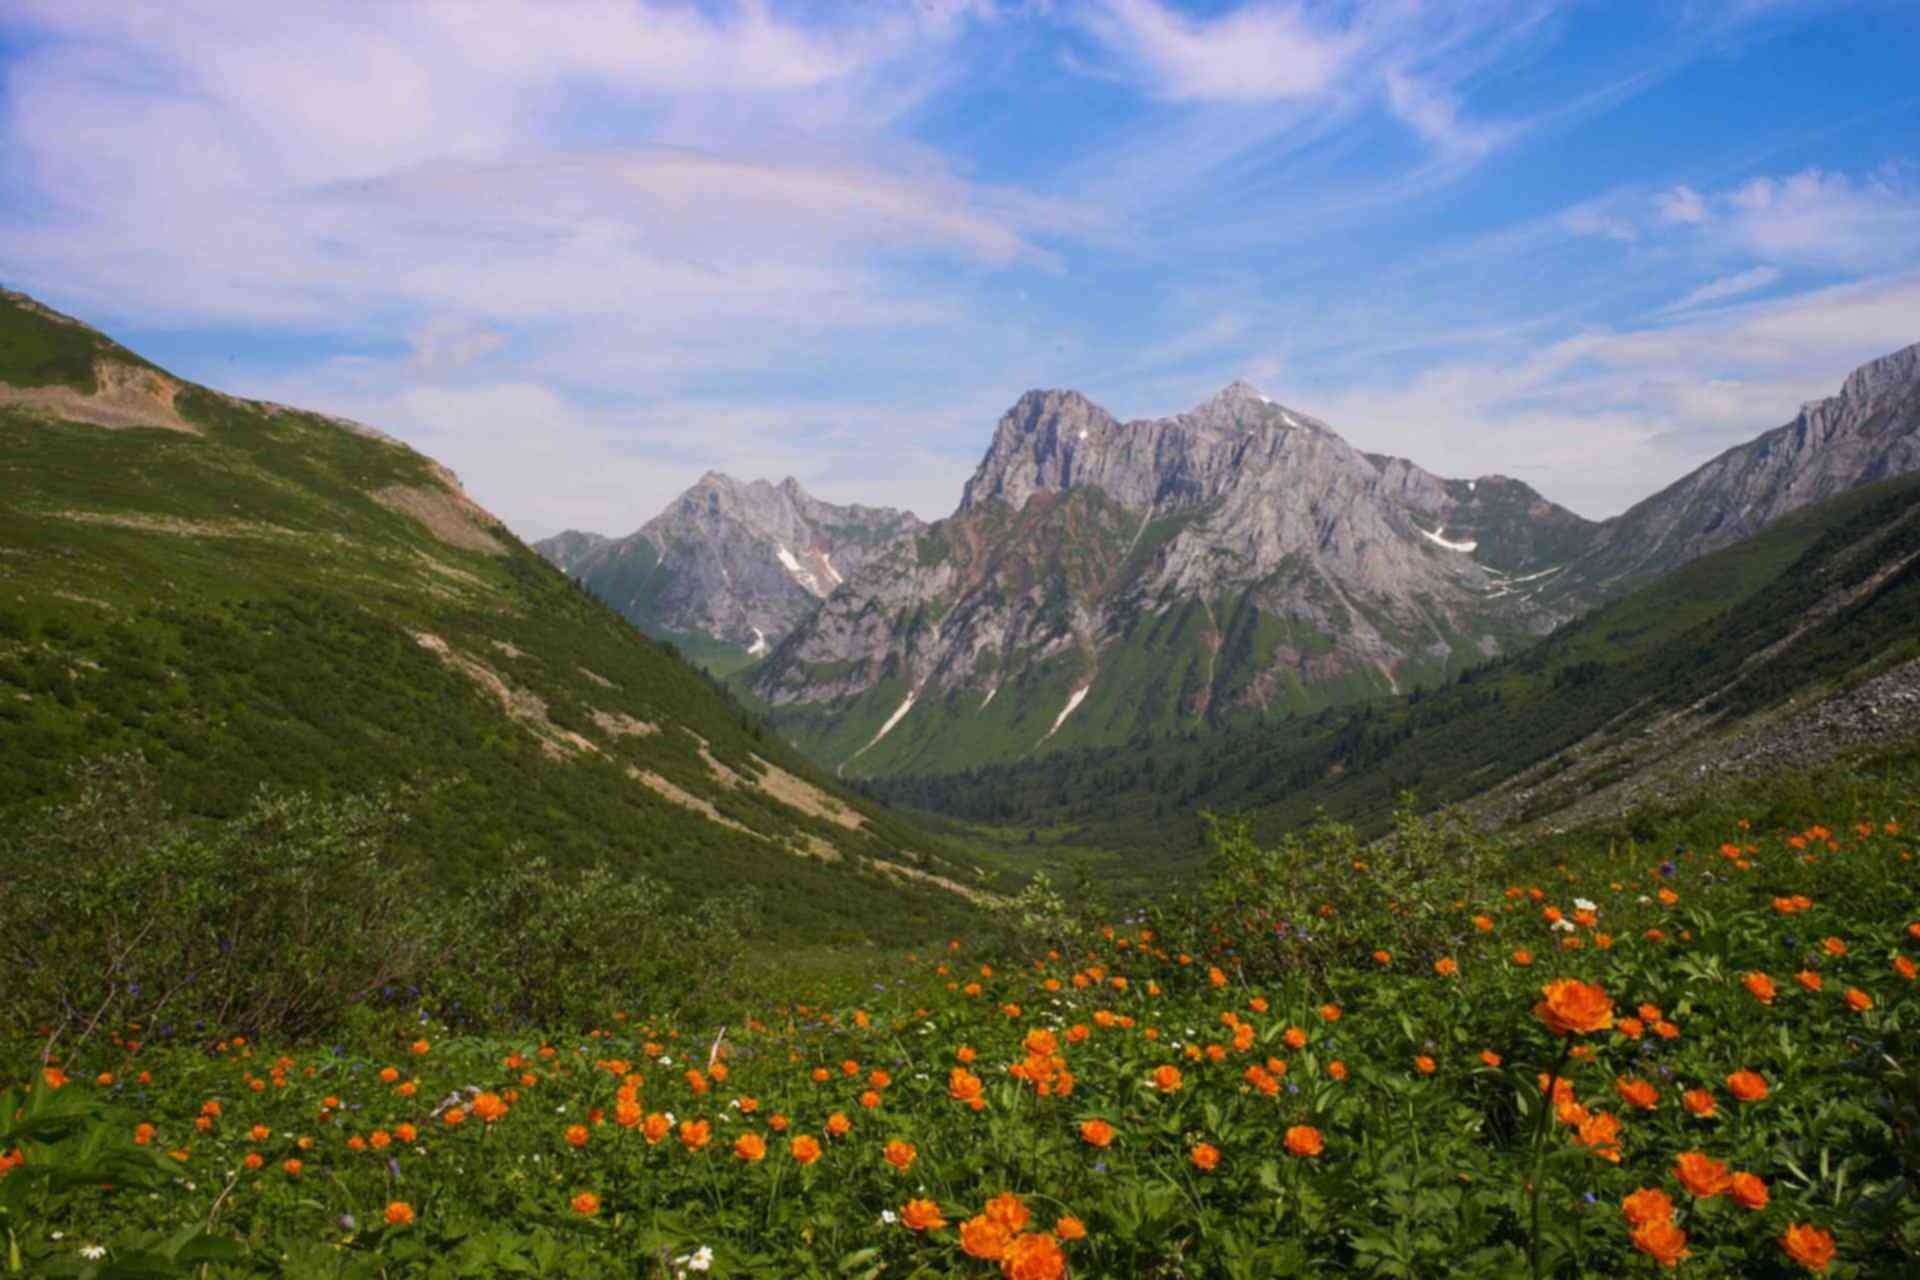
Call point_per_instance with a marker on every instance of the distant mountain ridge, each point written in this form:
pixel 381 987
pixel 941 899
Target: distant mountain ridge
pixel 739 563
pixel 1102 580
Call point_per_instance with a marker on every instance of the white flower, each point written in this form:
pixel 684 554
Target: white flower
pixel 1584 905
pixel 700 1259
pixel 1564 925
pixel 664 1060
pixel 888 1217
pixel 92 1252
pixel 670 1119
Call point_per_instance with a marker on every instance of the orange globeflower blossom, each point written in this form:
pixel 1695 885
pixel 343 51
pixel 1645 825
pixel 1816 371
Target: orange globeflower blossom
pixel 1905 968
pixel 291 1168
pixel 1205 1156
pixel 1648 1204
pixel 586 1204
pixel 489 1107
pixel 1009 1211
pixel 576 1135
pixel 1522 956
pixel 419 1048
pixel 1446 966
pixel 899 1154
pixel 838 1124
pixel 921 1215
pixel 695 1134
pixel 1600 1133
pixel 1662 1241
pixel 453 1116
pixel 1748 1190
pixel 1035 1256
pixel 1489 1057
pixel 1425 1065
pixel 1304 1140
pixel 1573 1007
pixel 143 1134
pixel 964 1086
pixel 981 1237
pixel 1833 947
pixel 1808 1245
pixel 1167 1078
pixel 805 1148
pixel 1809 980
pixel 1760 986
pixel 399 1213
pixel 1638 1092
pixel 1748 1086
pixel 1699 1101
pixel 1858 1000
pixel 1702 1176
pixel 626 1113
pixel 1337 1069
pixel 253 1160
pixel 389 1074
pixel 1330 1012
pixel 655 1127
pixel 1096 1132
pixel 379 1139
pixel 750 1147
pixel 405 1132
pixel 1383 957
pixel 1296 1038
pixel 1070 1228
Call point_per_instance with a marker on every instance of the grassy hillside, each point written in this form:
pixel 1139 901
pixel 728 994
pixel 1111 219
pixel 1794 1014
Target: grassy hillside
pixel 1826 595
pixel 248 594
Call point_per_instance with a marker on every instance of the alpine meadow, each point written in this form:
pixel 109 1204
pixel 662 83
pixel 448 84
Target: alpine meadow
pixel 1115 640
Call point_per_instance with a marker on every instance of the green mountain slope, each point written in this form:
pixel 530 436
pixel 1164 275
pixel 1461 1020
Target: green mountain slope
pixel 1706 667
pixel 251 594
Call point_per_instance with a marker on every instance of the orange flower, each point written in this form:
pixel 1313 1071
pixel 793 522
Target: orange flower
pixel 1337 1069
pixel 1748 1190
pixel 1573 1007
pixel 143 1133
pixel 1522 956
pixel 253 1160
pixel 1205 1156
pixel 1600 1133
pixel 1009 1211
pixel 1167 1078
pixel 1761 987
pixel 405 1132
pixel 1330 1012
pixel 1096 1132
pixel 838 1124
pixel 489 1107
pixel 1648 1204
pixel 1661 1240
pixel 921 1215
pixel 1638 1092
pixel 1304 1140
pixel 983 1238
pixel 389 1074
pixel 291 1168
pixel 1833 947
pixel 1701 1175
pixel 655 1127
pixel 419 1048
pixel 750 1147
pixel 805 1148
pixel 1446 966
pixel 1035 1256
pixel 964 1086
pixel 1858 1000
pixel 1809 980
pixel 1748 1086
pixel 586 1204
pixel 1808 1245
pixel 1424 1065
pixel 1070 1228
pixel 1383 957
pixel 1905 968
pixel 1699 1101
pixel 576 1135
pixel 694 1134
pixel 399 1213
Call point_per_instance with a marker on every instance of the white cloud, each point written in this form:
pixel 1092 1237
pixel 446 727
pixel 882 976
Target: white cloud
pixel 1728 287
pixel 1258 53
pixel 1683 205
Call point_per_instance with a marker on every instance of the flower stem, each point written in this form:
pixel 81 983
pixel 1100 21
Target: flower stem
pixel 1540 1155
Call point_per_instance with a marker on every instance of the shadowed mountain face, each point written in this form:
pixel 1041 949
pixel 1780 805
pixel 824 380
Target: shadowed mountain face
pixel 1103 580
pixel 736 563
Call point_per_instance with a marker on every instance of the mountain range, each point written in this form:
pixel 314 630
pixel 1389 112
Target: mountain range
pixel 1102 582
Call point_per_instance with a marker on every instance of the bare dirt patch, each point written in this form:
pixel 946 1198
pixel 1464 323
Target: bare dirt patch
pixel 804 796
pixel 448 514
pixel 619 724
pixel 597 678
pixel 526 709
pixel 178 525
pixel 125 396
pixel 681 796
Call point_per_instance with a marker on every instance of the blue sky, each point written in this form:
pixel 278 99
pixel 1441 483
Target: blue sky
pixel 583 252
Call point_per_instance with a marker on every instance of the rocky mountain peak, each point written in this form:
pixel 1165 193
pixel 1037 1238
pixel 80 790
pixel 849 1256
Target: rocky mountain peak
pixel 1889 375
